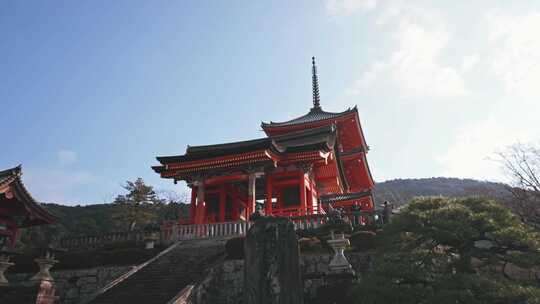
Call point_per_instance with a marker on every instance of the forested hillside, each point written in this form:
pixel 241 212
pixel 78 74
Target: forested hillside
pixel 400 191
pixel 98 219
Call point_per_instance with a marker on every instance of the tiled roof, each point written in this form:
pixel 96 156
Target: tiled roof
pixel 208 151
pixel 9 175
pixel 344 197
pixel 291 142
pixel 37 214
pixel 315 114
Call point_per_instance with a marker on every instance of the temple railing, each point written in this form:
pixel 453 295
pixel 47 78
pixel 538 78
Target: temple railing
pixel 287 212
pixel 357 219
pixel 184 230
pixel 305 222
pixel 104 239
pixel 175 231
pixel 205 231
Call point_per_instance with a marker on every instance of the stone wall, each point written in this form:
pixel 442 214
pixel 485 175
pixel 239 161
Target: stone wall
pixel 224 284
pixel 74 285
pixel 315 267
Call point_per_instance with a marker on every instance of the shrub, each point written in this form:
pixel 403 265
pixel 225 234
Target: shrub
pixel 363 240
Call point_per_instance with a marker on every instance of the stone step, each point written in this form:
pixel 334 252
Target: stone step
pixel 162 278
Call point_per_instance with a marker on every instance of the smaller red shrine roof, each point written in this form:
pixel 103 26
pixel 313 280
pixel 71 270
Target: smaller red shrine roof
pixel 15 199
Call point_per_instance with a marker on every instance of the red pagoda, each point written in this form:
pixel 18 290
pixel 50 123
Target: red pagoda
pixel 299 168
pixel 17 208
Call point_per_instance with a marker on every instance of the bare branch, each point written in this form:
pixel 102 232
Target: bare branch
pixel 522 163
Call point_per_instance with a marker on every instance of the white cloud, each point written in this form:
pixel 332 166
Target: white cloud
pixel 512 57
pixel 516 52
pixel 415 65
pixel 503 53
pixel 475 144
pixel 66 157
pixel 469 62
pixel 56 185
pixel 349 7
pixel 62 182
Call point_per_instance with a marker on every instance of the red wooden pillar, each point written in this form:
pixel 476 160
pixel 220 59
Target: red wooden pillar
pixel 200 219
pixel 193 205
pixel 222 201
pixel 303 193
pixel 235 209
pixel 315 195
pixel 250 208
pixel 279 202
pixel 309 198
pixel 269 182
pixel 314 200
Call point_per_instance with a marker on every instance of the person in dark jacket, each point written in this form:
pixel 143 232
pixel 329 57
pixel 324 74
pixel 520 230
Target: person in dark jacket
pixel 387 211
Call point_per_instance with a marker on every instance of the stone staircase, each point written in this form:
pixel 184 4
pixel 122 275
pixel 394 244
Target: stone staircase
pixel 163 277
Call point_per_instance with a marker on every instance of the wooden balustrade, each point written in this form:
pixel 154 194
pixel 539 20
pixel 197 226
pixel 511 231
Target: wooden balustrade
pixel 175 231
pixel 206 231
pixel 306 222
pixel 104 239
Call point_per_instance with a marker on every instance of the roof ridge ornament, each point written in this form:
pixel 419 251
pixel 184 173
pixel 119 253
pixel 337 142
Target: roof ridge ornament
pixel 315 84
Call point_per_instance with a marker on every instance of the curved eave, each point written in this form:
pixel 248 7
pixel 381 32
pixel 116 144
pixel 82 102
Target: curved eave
pixel 209 151
pixel 364 142
pixel 10 180
pixel 364 147
pixel 312 117
pixel 9 175
pixel 342 177
pixel 226 146
pixel 305 145
pixel 369 171
pixel 304 140
pixel 158 169
pixel 40 215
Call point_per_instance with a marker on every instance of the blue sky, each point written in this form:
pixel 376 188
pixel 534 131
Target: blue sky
pixel 92 91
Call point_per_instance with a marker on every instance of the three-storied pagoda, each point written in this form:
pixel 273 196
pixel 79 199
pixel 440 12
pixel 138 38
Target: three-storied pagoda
pixel 300 167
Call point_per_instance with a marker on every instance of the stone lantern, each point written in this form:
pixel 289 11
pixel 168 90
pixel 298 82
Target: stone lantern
pixel 45 264
pixel 150 240
pixel 4 265
pixel 339 263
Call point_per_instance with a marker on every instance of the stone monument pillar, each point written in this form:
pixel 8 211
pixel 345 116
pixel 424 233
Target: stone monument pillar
pixel 271 263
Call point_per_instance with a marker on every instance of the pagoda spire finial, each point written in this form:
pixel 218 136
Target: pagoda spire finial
pixel 315 84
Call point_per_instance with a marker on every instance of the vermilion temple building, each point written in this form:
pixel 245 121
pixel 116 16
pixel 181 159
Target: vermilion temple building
pixel 17 207
pixel 300 167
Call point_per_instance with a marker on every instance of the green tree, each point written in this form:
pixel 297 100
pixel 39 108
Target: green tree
pixel 138 206
pixel 441 250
